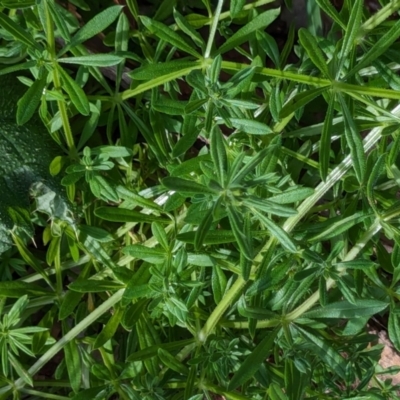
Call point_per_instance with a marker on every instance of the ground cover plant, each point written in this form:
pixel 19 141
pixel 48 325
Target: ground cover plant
pixel 193 207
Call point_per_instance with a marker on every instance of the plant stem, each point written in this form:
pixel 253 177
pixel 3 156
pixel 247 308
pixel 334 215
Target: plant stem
pixel 381 15
pixel 213 29
pixel 72 334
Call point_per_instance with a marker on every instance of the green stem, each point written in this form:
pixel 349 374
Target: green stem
pixel 213 29
pixel 337 173
pixel 381 16
pixel 72 334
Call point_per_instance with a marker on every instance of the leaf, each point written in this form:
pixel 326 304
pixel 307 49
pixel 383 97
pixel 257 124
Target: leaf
pixel 237 224
pixel 185 27
pixel 97 24
pixel 373 179
pixel 351 32
pixel 277 232
pixel 341 226
pixel 253 362
pixel 292 195
pixel 325 142
pixel 114 214
pixel 168 35
pixel 185 186
pixel 250 126
pixel 330 10
pixel 94 286
pixel 73 362
pixel 30 101
pixel 243 34
pixel 94 60
pixel 152 71
pixel 218 154
pixel 26 153
pixel 269 45
pixel 75 93
pixel 310 45
pixel 218 283
pixel 17 289
pixel 109 329
pixel 354 141
pixel 344 309
pixel 149 254
pixel 18 33
pixel 171 362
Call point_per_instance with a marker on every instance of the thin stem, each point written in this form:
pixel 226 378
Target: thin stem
pixel 72 334
pixel 381 16
pixel 213 29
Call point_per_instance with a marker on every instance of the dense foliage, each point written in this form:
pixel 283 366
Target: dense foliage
pixel 213 211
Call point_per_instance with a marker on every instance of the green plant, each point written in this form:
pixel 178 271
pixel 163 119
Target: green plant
pixel 230 228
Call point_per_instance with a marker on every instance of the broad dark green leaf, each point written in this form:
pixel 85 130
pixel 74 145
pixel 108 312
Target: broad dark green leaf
pixel 253 362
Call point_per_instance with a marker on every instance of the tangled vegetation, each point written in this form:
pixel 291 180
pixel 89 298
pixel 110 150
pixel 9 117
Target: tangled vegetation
pixel 193 209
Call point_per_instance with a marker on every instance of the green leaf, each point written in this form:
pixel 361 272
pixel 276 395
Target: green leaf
pixel 94 60
pixel 277 232
pixel 114 214
pixel 152 71
pixel 236 7
pixel 345 309
pixel 354 141
pixel 30 101
pixel 160 235
pixel 253 362
pixel 203 229
pixel 218 283
pixel 218 154
pixel 243 34
pixel 109 329
pixel 18 33
pixel 75 93
pixel 330 10
pixel 185 186
pixel 17 289
pixel 394 327
pixel 351 33
pixel 325 142
pixel 168 35
pixel 151 255
pixel 292 195
pixel 341 226
pixel 237 224
pixel 94 286
pixel 310 45
pixel 250 126
pixel 171 362
pixel 96 25
pixel 373 179
pixel 73 363
pixel 219 236
pixel 185 27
